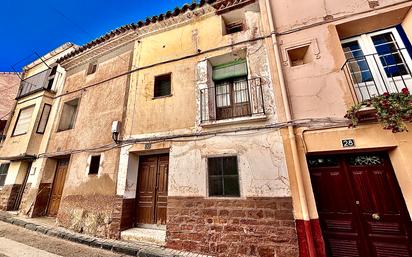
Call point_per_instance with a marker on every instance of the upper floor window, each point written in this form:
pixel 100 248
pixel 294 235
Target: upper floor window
pixel 92 68
pixel 377 62
pixel 23 121
pixel 163 85
pixel 223 176
pixel 4 168
pixel 94 165
pixel 234 27
pixel 44 118
pixel 68 116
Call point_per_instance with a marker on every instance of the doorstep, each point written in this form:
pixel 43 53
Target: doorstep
pixel 48 227
pixel 145 235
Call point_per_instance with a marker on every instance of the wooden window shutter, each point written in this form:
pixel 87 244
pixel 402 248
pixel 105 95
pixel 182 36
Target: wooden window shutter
pixel 44 118
pixel 23 121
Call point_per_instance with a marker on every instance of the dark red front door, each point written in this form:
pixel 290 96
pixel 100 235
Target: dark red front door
pixel 360 205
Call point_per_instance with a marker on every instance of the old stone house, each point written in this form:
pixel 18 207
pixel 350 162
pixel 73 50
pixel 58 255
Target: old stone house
pixel 351 187
pixel 27 132
pixel 219 127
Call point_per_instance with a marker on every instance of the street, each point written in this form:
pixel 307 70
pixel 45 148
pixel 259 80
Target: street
pixel 20 242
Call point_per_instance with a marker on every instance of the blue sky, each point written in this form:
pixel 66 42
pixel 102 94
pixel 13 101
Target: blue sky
pixel 29 26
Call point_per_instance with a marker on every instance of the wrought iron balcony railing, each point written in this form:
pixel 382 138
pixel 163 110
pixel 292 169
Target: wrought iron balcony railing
pixel 374 74
pixel 232 99
pixel 39 81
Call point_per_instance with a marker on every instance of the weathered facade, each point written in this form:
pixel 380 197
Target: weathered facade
pixel 220 125
pixel 345 181
pixel 27 131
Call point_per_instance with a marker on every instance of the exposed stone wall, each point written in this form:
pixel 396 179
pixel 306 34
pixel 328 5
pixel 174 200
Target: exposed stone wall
pixel 42 198
pixel 123 215
pixel 259 226
pixel 89 214
pixel 26 199
pixel 8 195
pixel 9 85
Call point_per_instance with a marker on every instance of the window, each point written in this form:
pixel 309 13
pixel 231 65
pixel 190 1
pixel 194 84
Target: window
pixel 234 27
pixel 377 62
pixel 300 55
pixel 52 75
pixel 232 90
pixel 92 68
pixel 43 119
pixel 23 121
pixel 4 168
pixel 94 165
pixel 162 86
pixel 223 176
pixel 68 115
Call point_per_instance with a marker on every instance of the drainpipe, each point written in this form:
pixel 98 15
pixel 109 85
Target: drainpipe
pixel 292 137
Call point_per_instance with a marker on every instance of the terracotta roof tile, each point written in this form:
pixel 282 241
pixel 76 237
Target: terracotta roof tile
pixel 220 5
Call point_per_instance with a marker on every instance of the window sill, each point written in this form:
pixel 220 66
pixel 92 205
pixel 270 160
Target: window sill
pixel 160 97
pixel 19 135
pixel 239 120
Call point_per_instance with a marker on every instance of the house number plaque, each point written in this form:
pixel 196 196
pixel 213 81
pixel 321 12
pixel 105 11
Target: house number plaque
pixel 348 143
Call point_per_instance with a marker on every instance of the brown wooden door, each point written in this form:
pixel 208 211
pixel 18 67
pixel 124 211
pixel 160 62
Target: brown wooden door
pixel 152 189
pixel 232 98
pixel 360 206
pixel 57 188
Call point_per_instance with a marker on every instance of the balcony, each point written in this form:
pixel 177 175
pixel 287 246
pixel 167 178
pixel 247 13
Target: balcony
pixel 231 99
pixel 40 81
pixel 374 74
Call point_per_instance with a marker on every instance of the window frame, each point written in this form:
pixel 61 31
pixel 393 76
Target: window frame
pixel 222 176
pixel 98 166
pixel 17 120
pixel 154 85
pixel 7 172
pixel 376 68
pixel 47 119
pixel 74 116
pixel 91 70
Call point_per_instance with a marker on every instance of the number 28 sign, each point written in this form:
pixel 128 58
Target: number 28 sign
pixel 348 142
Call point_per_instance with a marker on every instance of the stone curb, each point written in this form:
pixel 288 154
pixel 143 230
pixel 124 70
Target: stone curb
pixel 110 245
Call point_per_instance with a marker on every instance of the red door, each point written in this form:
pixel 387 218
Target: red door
pixel 152 189
pixel 360 205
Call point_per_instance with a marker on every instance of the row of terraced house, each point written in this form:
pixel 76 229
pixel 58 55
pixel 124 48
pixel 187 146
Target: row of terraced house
pixel 220 125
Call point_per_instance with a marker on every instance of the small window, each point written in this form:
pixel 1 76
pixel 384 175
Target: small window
pixel 23 121
pixel 44 118
pixel 4 168
pixel 300 55
pixel 234 27
pixel 223 176
pixel 68 116
pixel 94 165
pixel 162 86
pixel 92 68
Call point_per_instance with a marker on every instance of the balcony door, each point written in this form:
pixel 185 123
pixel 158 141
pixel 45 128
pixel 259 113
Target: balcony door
pixel 378 62
pixel 232 98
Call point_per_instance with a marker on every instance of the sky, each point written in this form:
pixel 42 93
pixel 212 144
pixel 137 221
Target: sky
pixel 28 27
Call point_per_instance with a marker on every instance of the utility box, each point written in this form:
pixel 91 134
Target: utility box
pixel 116 127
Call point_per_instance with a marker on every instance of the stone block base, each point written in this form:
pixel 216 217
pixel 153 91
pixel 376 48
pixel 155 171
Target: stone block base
pixel 260 227
pixel 89 214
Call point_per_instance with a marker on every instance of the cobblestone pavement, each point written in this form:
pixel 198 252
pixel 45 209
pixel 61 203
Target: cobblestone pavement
pixel 48 233
pixel 16 241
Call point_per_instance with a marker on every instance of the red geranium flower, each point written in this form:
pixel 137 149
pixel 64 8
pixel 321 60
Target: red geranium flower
pixel 386 94
pixel 405 91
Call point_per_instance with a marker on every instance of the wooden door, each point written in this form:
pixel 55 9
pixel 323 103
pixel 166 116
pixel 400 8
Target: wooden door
pixel 152 189
pixel 57 188
pixel 360 206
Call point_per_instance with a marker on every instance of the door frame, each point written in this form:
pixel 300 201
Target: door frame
pixel 156 153
pixel 404 213
pixel 58 160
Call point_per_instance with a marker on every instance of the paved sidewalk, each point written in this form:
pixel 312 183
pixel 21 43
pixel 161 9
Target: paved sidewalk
pixel 123 247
